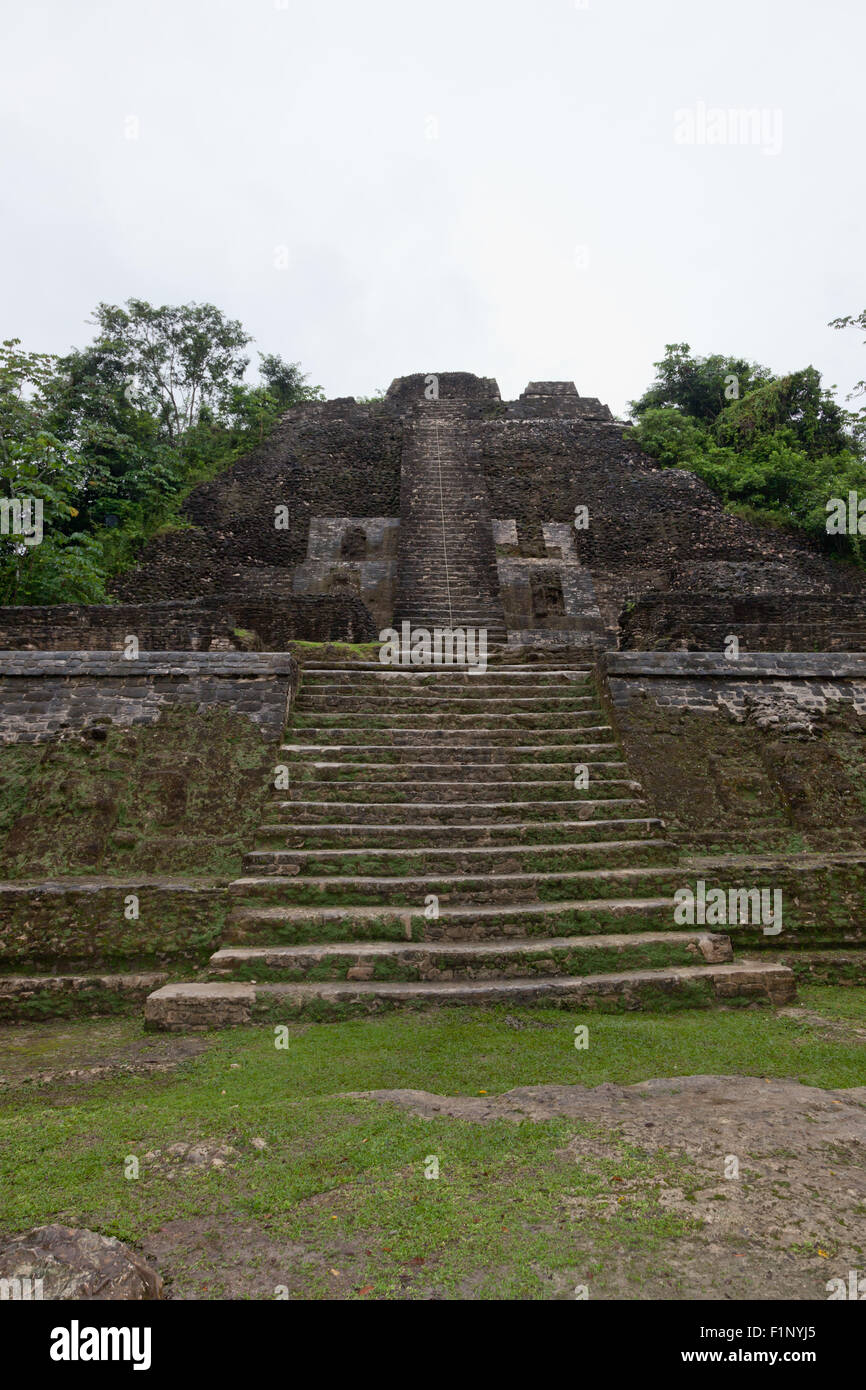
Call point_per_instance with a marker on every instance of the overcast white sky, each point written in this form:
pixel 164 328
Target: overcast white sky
pixel 480 185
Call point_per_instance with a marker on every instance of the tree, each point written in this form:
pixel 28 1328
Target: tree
pixel 776 450
pixel 285 381
pixel 125 457
pixel 110 438
pixel 179 358
pixel 668 435
pixel 38 467
pixel 698 386
pixel 796 403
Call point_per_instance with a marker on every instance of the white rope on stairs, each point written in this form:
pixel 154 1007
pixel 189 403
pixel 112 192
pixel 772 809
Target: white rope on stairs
pixel 442 511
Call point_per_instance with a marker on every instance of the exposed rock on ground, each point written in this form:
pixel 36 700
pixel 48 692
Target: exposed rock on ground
pixel 78 1264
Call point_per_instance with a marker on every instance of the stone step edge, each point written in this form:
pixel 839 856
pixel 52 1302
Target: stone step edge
pixel 403 747
pixel 226 1004
pixel 455 828
pixel 459 701
pixel 314 782
pixel 426 707
pixel 377 686
pixel 450 669
pixel 468 805
pixel 690 867
pixel 371 882
pixel 289 855
pixel 516 946
pixel 520 677
pixel 406 916
pixel 439 763
pixel 132 982
pixel 435 686
pixel 456 729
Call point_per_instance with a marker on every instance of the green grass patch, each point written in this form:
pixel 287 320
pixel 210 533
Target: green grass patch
pixel 343 1179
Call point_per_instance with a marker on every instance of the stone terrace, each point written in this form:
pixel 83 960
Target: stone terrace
pixel 433 848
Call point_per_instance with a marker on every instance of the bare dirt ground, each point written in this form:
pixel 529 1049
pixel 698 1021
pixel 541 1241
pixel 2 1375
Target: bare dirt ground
pixel 793 1219
pixel 38 1055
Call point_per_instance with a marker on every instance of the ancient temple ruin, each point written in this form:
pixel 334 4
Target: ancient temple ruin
pixel 675 698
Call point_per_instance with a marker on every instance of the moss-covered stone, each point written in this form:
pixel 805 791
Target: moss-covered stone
pixel 83 926
pixel 182 795
pixel 714 779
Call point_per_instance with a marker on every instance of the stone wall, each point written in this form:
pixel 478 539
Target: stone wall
pixel 783 621
pixel 765 751
pixel 786 689
pixel 84 924
pixel 548 598
pixel 227 623
pixel 355 557
pixel 44 695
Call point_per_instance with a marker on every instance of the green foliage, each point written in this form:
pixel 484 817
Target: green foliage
pixel 179 357
pixel 795 404
pixel 36 463
pixel 776 449
pixel 285 381
pixel 698 386
pixel 111 438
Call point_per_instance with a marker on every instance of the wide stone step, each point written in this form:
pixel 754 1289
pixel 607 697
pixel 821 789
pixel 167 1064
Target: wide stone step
pixel 516 754
pixel 427 576
pixel 269 924
pixel 436 568
pixel 433 571
pixel 414 890
pixel 479 790
pixel 408 812
pixel 376 705
pixel 178 1008
pixel 429 581
pixel 460 569
pixel 452 693
pixel 526 680
pixel 467 610
pixel 571 735
pixel 293 836
pixel 308 770
pixel 426 591
pixel 433 721
pixel 489 960
pixel 471 623
pixel 451 681
pixel 498 669
pixel 33 997
pixel 370 861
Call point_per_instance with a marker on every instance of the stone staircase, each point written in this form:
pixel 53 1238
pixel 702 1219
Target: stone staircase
pixel 433 848
pixel 447 562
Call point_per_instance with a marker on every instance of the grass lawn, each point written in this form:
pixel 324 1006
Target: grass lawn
pixel 259 1177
